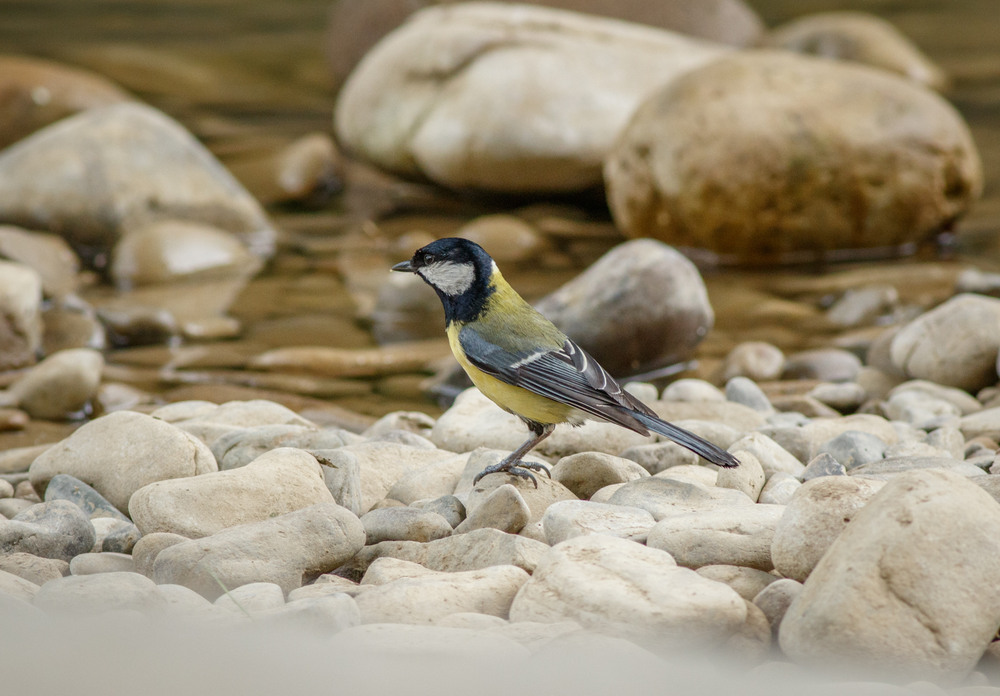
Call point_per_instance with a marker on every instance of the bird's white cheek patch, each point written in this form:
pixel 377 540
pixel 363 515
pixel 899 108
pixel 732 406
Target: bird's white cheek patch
pixel 450 278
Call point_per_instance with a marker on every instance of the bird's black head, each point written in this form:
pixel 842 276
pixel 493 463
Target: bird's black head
pixel 459 271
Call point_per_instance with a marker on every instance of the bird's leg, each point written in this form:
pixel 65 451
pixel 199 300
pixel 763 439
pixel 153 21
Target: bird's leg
pixel 512 464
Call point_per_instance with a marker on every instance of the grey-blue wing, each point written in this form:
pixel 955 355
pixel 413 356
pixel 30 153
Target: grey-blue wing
pixel 567 375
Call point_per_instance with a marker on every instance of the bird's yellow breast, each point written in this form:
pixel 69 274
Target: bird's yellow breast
pixel 516 400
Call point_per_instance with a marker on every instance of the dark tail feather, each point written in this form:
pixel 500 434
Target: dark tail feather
pixel 682 437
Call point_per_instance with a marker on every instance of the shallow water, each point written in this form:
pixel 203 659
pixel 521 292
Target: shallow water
pixel 247 77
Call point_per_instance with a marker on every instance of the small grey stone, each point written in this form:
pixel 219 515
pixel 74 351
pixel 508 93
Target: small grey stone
pixel 742 390
pixel 448 506
pixel 855 448
pixel 121 538
pixel 66 487
pixel 823 464
pixel 775 599
pixel 58 529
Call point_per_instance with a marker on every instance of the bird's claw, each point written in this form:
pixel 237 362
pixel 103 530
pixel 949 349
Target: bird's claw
pixel 515 469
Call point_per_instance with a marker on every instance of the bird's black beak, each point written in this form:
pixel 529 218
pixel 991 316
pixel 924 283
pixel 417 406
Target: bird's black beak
pixel 405 267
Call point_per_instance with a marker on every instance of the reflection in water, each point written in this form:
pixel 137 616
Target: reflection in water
pixel 249 80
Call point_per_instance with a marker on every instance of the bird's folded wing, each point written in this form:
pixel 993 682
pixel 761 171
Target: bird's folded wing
pixel 567 375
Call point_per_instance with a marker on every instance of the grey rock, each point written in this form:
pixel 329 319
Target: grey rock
pixel 823 464
pixel 854 448
pixel 774 600
pixel 121 538
pixel 66 487
pixel 640 306
pixel 742 390
pixel 58 529
pixel 693 390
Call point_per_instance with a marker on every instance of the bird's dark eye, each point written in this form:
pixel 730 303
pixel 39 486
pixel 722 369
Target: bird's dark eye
pixel 429 259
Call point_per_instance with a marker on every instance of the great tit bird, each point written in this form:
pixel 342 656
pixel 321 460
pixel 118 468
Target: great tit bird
pixel 526 365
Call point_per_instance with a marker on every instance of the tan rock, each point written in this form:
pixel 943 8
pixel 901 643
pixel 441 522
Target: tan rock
pixel 907 587
pixel 277 482
pixel 120 453
pixel 645 597
pixel 815 516
pixel 826 139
